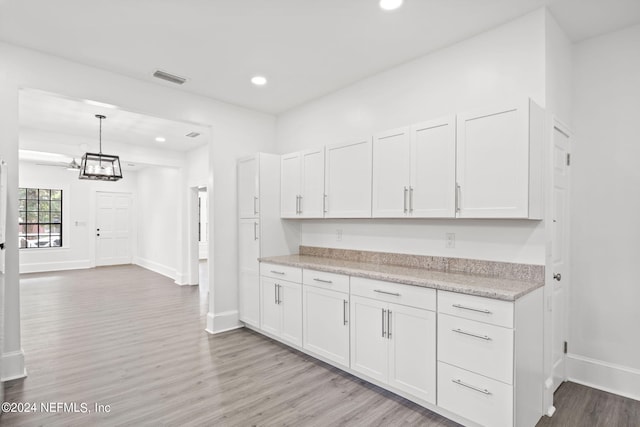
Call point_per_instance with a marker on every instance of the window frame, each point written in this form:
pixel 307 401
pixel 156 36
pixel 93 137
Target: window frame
pixel 24 212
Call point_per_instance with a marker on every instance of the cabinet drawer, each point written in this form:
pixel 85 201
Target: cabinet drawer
pixel 413 296
pixel 477 308
pixel 477 398
pixel 478 347
pixel 321 279
pixel 283 272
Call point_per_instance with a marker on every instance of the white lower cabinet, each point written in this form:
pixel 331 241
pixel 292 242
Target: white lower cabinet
pixel 281 309
pixel 326 323
pixel 393 343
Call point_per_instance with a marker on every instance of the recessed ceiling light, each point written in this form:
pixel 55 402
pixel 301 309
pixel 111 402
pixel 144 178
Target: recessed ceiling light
pixel 390 4
pixel 259 80
pixel 160 139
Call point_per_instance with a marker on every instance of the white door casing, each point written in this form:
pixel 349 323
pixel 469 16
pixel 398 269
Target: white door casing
pixel 113 228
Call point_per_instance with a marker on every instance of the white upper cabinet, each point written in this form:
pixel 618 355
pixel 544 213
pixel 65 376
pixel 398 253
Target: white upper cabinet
pixel 302 184
pixel 290 170
pixel 499 162
pixel 391 176
pixel 248 189
pixel 433 169
pixel 348 180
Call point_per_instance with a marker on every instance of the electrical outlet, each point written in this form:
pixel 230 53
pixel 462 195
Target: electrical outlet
pixel 338 235
pixel 450 240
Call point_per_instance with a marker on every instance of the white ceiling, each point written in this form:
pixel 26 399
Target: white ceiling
pixel 49 114
pixel 306 48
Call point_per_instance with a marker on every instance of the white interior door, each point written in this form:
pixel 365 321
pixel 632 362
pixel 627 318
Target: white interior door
pixel 113 228
pixel 559 250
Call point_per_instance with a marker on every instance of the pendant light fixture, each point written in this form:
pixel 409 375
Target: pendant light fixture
pixel 101 167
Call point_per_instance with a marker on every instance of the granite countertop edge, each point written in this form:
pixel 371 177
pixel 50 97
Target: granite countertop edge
pixel 489 287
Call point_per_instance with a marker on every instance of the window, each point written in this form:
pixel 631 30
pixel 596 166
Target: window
pixel 40 222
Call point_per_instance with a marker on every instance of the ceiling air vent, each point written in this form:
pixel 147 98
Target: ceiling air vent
pixel 193 134
pixel 169 77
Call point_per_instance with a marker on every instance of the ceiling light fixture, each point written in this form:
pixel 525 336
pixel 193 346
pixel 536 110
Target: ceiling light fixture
pixel 192 134
pixel 160 139
pixel 100 167
pixel 163 75
pixel 390 4
pixel 259 80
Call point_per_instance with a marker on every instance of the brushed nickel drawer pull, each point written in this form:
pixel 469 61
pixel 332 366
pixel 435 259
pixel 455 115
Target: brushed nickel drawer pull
pixel 389 324
pixel 345 304
pixel 395 294
pixel 471 334
pixel 322 280
pixel 383 333
pixel 278 272
pixel 481 390
pixel 479 310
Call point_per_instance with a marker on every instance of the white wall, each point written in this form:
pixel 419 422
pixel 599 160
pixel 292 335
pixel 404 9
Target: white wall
pixel 235 132
pixel 502 64
pixel 78 222
pixel 604 314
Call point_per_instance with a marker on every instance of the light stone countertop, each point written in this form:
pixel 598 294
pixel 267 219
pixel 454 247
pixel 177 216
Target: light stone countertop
pixel 484 286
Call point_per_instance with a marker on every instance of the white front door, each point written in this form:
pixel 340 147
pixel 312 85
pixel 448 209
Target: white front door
pixel 560 250
pixel 113 228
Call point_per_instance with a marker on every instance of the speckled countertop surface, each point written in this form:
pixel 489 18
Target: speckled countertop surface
pixel 484 286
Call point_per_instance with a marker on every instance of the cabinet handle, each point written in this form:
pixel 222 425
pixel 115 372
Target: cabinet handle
pixel 411 199
pixel 279 300
pixel 479 310
pixel 458 196
pixel 471 334
pixel 389 324
pixel 322 280
pixel 406 190
pixel 380 291
pixel 383 333
pixel 345 304
pixel 300 204
pixel 324 203
pixel 275 293
pixel 277 272
pixel 297 204
pixel 255 231
pixel 255 200
pixel 481 390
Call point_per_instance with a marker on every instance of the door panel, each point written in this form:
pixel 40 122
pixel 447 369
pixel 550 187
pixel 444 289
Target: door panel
pixel 368 345
pixel 289 185
pixel 433 166
pixel 249 285
pixel 248 204
pixel 412 351
pixel 291 306
pixel 559 252
pixel 312 203
pixel 270 313
pixel 348 180
pixel 391 164
pixel 113 228
pixel 324 329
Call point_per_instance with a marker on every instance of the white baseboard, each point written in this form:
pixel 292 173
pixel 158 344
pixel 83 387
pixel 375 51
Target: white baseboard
pixel 39 267
pixel 156 267
pixel 222 322
pixel 13 365
pixel 604 376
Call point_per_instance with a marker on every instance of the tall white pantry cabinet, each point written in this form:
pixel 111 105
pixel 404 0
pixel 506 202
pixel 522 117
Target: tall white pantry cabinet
pixel 261 232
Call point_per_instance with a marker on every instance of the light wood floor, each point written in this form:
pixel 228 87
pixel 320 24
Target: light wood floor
pixel 129 338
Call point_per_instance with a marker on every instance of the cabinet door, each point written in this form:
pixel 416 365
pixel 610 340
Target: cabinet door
pixel 270 312
pixel 368 337
pixel 326 323
pixel 348 180
pixel 248 203
pixel 291 305
pixel 412 351
pixel 289 185
pixel 391 165
pixel 312 185
pixel 433 169
pixel 249 285
pixel 493 163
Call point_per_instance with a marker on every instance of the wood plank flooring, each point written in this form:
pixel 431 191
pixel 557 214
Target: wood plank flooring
pixel 129 338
